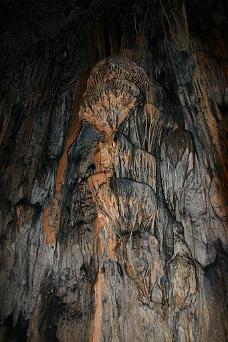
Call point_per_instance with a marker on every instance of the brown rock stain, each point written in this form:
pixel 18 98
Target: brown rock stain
pixel 96 333
pixel 111 248
pixel 51 219
pixel 103 161
pixel 54 210
pixel 73 132
pixel 96 329
pixel 96 180
pixel 107 104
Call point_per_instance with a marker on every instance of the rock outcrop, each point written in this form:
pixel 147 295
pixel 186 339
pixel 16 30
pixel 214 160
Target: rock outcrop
pixel 113 174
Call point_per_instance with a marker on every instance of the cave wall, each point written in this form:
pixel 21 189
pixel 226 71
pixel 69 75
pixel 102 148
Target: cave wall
pixel 113 178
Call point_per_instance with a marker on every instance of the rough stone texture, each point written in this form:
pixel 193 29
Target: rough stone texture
pixel 113 175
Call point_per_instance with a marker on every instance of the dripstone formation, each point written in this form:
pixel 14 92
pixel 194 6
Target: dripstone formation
pixel 113 175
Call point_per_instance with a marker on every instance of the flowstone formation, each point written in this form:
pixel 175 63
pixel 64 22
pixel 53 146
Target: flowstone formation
pixel 113 170
pixel 132 272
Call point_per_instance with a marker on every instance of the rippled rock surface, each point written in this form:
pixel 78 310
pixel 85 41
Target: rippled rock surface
pixel 113 172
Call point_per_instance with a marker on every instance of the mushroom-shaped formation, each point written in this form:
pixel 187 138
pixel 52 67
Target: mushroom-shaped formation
pixel 115 87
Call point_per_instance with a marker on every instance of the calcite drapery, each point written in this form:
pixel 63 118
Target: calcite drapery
pixel 115 229
pixel 123 187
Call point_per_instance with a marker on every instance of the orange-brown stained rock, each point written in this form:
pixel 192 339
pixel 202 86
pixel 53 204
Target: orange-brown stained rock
pixel 101 109
pixel 95 181
pixel 96 332
pixel 111 248
pixel 73 132
pixel 96 328
pixel 51 214
pixel 106 107
pixel 51 219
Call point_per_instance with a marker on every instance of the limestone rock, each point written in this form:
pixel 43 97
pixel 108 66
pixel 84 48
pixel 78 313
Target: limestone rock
pixel 113 173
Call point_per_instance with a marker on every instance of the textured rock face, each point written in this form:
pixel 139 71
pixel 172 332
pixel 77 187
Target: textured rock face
pixel 113 215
